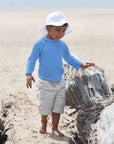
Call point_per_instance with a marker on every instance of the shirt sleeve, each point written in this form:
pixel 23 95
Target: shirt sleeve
pixel 33 58
pixel 71 60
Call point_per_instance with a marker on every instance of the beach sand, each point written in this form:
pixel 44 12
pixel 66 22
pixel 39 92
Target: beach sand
pixel 92 40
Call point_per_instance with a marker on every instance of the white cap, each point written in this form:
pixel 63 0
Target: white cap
pixel 56 19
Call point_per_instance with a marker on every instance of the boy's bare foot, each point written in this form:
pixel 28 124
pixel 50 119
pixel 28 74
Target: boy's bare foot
pixel 43 131
pixel 56 132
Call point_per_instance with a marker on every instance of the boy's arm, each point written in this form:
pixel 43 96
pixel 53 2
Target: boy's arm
pixel 31 64
pixel 71 60
pixel 29 79
pixel 75 62
pixel 33 58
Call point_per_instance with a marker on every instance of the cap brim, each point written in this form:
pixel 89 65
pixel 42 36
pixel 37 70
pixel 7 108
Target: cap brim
pixel 45 32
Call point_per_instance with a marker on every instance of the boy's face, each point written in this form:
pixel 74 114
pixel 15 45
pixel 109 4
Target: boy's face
pixel 55 32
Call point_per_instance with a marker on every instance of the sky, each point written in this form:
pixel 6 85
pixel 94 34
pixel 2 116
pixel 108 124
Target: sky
pixel 56 3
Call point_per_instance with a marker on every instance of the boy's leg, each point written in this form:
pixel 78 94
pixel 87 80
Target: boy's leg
pixel 43 128
pixel 55 122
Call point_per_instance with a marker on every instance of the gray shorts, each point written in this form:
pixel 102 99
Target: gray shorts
pixel 51 96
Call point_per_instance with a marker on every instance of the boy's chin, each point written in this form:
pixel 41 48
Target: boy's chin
pixel 57 39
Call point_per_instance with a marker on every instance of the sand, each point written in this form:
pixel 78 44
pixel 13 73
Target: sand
pixel 91 41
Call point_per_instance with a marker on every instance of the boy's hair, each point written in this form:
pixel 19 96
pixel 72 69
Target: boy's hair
pixel 66 24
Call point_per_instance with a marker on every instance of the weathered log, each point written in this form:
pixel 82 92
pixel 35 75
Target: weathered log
pixel 87 95
pixel 3 136
pixel 85 87
pixel 105 126
pixel 4 124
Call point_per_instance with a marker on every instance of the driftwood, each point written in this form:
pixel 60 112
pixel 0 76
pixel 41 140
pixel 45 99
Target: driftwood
pixel 21 122
pixel 85 87
pixel 87 95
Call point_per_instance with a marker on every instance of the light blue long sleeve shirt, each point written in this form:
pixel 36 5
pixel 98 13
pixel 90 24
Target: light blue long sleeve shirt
pixel 50 54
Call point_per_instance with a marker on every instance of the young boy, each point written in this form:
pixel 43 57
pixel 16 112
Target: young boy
pixel 50 50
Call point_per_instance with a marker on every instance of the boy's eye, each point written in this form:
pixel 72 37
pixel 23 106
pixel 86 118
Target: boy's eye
pixel 58 30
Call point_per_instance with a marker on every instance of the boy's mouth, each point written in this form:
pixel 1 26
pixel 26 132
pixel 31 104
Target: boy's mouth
pixel 58 38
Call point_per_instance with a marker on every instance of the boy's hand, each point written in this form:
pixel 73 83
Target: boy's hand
pixel 29 80
pixel 86 65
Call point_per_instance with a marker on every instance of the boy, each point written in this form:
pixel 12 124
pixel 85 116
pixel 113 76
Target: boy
pixel 50 50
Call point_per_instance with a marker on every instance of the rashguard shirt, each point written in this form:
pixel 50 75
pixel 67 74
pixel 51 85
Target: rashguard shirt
pixel 50 54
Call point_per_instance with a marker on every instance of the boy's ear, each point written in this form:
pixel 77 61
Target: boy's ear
pixel 47 27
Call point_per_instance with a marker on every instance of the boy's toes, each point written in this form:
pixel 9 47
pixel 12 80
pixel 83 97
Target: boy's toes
pixel 57 133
